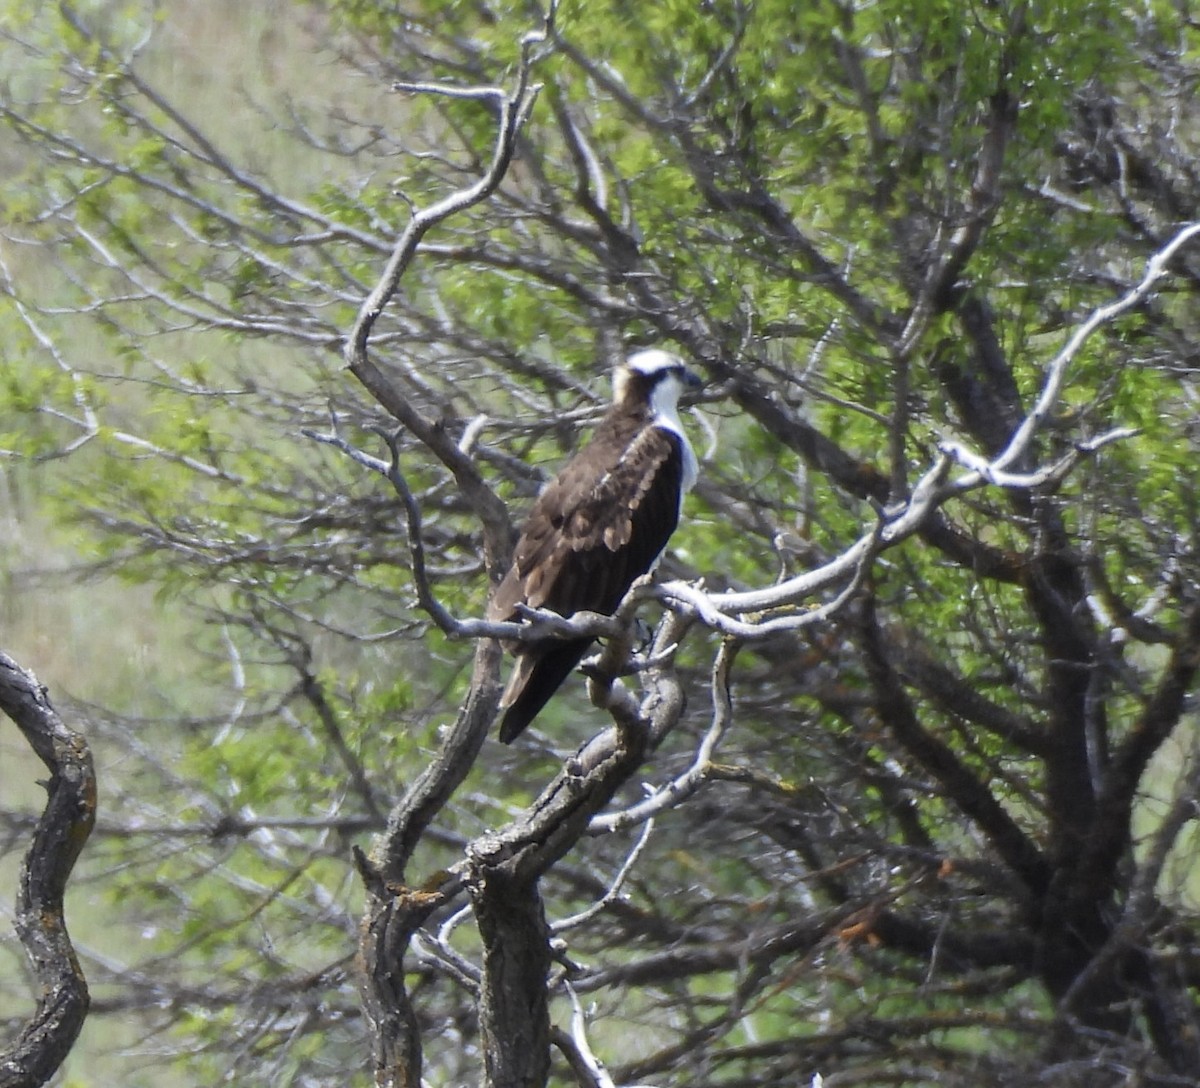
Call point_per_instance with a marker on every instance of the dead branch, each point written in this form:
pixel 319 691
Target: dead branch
pixel 515 108
pixel 47 1038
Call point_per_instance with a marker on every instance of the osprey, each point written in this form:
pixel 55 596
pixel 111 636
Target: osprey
pixel 599 526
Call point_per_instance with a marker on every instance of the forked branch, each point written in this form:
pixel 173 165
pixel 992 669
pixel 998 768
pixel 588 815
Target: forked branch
pixel 514 109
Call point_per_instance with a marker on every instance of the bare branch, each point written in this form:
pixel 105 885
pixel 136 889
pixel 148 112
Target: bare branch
pixel 989 473
pixel 61 833
pixel 515 108
pixel 1056 374
pixel 614 889
pixel 391 920
pixel 686 784
pixel 721 611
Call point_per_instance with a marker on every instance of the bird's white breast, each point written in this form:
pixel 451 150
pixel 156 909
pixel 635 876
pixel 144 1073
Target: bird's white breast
pixel 668 420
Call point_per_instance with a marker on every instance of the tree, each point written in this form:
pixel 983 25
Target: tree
pixel 899 788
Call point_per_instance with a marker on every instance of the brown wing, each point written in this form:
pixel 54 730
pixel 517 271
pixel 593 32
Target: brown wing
pixel 601 524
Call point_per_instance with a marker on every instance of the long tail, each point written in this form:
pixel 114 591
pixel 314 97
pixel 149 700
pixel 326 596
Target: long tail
pixel 537 675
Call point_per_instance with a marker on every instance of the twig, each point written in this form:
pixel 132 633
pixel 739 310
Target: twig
pixel 416 543
pixel 614 889
pixel 442 955
pixel 686 784
pixel 583 1050
pixel 1057 371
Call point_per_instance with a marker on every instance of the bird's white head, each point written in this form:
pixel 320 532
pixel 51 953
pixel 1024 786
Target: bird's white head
pixel 657 375
pixel 657 378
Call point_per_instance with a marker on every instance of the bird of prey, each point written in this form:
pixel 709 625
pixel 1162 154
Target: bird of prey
pixel 598 526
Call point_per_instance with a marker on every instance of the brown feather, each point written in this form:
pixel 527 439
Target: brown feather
pixel 600 525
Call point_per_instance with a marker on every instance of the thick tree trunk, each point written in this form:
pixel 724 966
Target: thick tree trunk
pixel 514 1017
